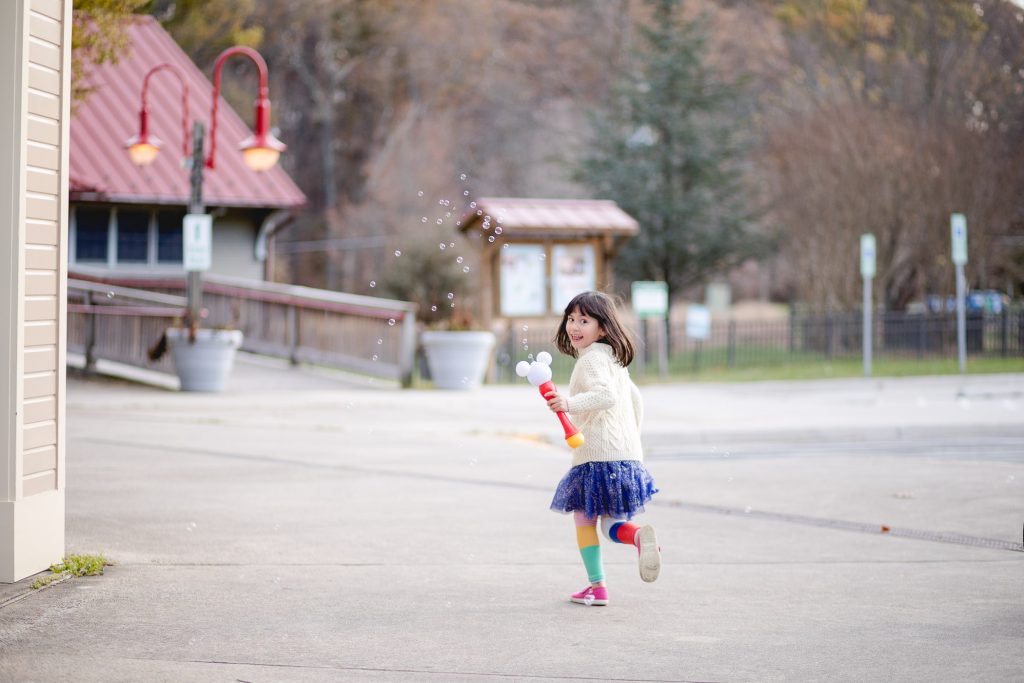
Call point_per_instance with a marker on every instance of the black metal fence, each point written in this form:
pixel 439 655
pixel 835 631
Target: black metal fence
pixel 804 336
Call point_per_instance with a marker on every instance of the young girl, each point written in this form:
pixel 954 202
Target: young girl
pixel 608 481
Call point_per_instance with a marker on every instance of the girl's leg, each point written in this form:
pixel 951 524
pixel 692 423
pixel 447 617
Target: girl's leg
pixel 590 547
pixel 643 538
pixel 618 531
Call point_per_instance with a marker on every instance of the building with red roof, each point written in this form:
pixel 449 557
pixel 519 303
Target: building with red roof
pixel 126 220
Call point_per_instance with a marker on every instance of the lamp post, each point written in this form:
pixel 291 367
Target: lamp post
pixel 260 150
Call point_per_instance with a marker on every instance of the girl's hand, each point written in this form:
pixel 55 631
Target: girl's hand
pixel 557 402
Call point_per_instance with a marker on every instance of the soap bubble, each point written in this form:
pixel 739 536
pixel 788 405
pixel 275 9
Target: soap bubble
pixel 490 238
pixel 498 230
pixel 374 357
pixel 465 269
pixel 391 322
pixel 379 340
pixel 525 328
pixel 472 205
pixel 462 177
pixel 543 257
pixel 451 244
pixel 588 599
pixel 110 295
pixel 398 252
pixel 458 260
pixel 505 246
pixel 443 245
pixel 423 220
pixel 465 193
pixel 420 193
pixel 373 283
pixel 451 295
pixel 453 304
pixel 440 221
pixel 433 308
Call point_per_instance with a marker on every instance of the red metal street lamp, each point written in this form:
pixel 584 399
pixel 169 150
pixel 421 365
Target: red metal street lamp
pixel 143 148
pixel 260 151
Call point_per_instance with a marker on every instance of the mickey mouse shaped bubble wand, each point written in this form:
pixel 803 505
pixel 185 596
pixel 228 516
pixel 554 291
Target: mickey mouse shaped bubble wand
pixel 539 375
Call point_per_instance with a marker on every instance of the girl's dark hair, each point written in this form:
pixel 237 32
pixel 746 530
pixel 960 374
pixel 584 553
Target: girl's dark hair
pixel 601 308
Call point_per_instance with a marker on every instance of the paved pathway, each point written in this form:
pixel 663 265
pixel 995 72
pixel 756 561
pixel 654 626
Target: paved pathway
pixel 304 529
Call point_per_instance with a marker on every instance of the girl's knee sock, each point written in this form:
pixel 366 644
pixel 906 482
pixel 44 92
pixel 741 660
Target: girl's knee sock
pixel 618 531
pixel 590 547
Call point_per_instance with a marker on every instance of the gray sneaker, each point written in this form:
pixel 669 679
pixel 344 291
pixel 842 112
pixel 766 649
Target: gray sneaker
pixel 650 554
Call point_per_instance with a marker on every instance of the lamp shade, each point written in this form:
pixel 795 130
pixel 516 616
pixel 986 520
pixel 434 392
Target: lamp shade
pixel 142 149
pixel 261 151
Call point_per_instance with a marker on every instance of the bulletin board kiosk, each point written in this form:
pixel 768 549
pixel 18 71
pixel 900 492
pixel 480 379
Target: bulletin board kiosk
pixel 537 254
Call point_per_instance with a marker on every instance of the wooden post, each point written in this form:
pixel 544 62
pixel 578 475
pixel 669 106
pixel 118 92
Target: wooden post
pixel 407 349
pixel 293 334
pixel 90 335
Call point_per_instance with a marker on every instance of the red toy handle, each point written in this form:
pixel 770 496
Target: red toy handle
pixel 572 433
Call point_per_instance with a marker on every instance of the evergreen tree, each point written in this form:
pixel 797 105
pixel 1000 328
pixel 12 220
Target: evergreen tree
pixel 666 152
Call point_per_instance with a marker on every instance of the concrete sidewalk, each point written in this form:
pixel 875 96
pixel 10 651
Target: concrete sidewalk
pixel 312 530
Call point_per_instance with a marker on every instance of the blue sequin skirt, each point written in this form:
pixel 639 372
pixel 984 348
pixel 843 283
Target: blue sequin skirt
pixel 615 488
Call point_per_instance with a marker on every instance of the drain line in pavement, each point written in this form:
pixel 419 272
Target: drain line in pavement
pixel 862 527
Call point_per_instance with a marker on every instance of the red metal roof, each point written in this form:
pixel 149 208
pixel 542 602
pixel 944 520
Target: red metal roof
pixel 100 169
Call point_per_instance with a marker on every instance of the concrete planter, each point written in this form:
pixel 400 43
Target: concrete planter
pixel 203 365
pixel 457 360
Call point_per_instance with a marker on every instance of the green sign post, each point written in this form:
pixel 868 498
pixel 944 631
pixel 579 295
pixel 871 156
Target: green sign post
pixel 958 235
pixel 650 300
pixel 867 273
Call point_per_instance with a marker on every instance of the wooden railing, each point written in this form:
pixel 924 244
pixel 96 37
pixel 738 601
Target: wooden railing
pixel 119 323
pixel 364 334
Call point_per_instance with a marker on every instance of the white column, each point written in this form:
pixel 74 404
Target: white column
pixel 35 40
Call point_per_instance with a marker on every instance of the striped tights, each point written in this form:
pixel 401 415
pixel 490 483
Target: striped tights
pixel 615 531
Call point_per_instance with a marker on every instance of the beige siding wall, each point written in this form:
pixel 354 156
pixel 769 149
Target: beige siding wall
pixel 35 80
pixel 44 248
pixel 233 253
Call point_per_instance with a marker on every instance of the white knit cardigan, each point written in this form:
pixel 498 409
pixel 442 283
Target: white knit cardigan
pixel 606 406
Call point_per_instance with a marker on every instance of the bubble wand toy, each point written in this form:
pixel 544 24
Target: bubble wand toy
pixel 538 373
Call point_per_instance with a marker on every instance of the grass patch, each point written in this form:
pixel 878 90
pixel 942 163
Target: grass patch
pixel 46 580
pixel 73 565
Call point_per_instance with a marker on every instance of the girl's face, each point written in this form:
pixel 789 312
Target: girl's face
pixel 582 330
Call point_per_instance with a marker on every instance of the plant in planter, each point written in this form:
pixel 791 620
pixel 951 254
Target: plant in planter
pixel 203 356
pixel 457 353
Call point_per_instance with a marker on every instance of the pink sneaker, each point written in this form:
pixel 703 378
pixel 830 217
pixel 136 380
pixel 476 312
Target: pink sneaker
pixel 650 554
pixel 591 596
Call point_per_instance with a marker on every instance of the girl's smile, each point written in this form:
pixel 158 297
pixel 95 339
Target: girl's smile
pixel 582 330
